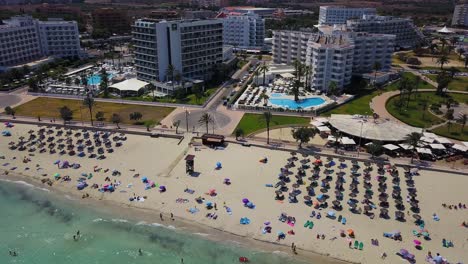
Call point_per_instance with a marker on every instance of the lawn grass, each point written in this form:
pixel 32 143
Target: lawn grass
pixel 457 84
pixel 254 122
pixel 414 114
pixel 190 99
pixel 49 108
pixel 361 104
pixel 455 132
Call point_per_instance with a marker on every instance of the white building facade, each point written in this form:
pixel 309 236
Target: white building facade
pixel 289 46
pixel 24 39
pixel 460 15
pixel 245 31
pixel 407 34
pixel 335 15
pixel 192 47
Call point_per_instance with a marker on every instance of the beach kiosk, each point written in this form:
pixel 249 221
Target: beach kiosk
pixel 213 140
pixel 189 164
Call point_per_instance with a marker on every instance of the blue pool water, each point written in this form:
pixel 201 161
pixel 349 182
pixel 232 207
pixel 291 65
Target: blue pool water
pixel 303 103
pixel 95 79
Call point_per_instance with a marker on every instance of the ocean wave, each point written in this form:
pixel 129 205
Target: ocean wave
pixel 69 197
pixel 26 184
pixel 117 220
pixel 141 223
pixel 171 227
pixel 99 220
pixel 201 234
pixel 156 224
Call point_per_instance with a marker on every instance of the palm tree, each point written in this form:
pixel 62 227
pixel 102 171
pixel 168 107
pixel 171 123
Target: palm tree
pixel 377 66
pixel 176 124
pixel 416 82
pixel 298 69
pixel 442 60
pixel 267 116
pixel 170 71
pixel 374 148
pixel 443 41
pixel 205 119
pixel 265 98
pixel 462 120
pixel 256 74
pixel 424 108
pixel 88 102
pixel 307 72
pixel 264 69
pixel 409 90
pixel 332 88
pixel 152 88
pixel 295 90
pixel 116 119
pixel 413 140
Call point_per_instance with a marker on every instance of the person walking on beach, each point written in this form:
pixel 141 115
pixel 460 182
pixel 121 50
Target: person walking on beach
pixel 161 216
pixel 172 216
pixel 292 245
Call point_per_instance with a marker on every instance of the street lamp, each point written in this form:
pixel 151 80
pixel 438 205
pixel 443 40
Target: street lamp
pixel 187 113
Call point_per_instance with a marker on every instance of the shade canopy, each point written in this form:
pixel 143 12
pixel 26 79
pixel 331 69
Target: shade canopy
pixel 323 129
pixel 316 123
pixel 129 85
pixel 442 140
pixel 347 141
pixel 460 147
pixel 391 147
pixel 424 151
pixel 437 146
pixel 405 146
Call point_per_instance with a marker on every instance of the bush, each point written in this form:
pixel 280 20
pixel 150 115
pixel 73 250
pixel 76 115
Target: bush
pixel 413 61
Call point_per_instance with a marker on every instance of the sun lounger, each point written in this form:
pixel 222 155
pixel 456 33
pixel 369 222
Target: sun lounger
pixel 356 244
pixel 361 246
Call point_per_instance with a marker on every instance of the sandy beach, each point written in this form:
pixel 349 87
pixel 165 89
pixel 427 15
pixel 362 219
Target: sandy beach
pixel 161 161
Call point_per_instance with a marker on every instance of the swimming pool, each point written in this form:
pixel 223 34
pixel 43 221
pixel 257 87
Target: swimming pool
pixel 95 79
pixel 291 104
pixel 276 94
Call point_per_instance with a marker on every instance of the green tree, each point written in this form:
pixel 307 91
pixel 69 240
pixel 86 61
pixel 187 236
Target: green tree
pixel 374 148
pixel 265 98
pixel 462 120
pixel 100 116
pixel 77 81
pixel 170 73
pixel 116 119
pixel 104 84
pixel 136 116
pixel 443 80
pixel 295 90
pixel 377 67
pixel 303 134
pixel 332 88
pixel 152 89
pixel 176 124
pixel 88 102
pixel 66 114
pixel 205 119
pixel 10 111
pixel 307 73
pixel 264 69
pixel 453 71
pixel 413 139
pixel 266 117
pixel 84 80
pixel 442 60
pixel 239 133
pixel 33 84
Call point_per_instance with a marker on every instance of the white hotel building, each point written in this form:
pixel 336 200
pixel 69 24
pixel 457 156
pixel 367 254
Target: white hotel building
pixel 245 31
pixel 336 15
pixel 192 47
pixel 334 56
pixel 24 39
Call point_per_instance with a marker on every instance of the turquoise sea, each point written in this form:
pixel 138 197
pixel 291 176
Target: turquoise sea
pixel 39 226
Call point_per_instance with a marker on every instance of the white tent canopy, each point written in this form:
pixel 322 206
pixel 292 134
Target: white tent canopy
pixel 424 151
pixel 323 129
pixel 460 147
pixel 347 141
pixel 321 120
pixel 445 30
pixel 465 143
pixel 427 139
pixel 331 138
pixel 429 135
pixel 129 85
pixel 442 140
pixel 391 147
pixel 316 123
pixel 405 146
pixel 436 146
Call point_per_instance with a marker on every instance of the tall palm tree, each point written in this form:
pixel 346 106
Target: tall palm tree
pixel 170 71
pixel 88 102
pixel 298 69
pixel 151 88
pixel 442 60
pixel 206 119
pixel 424 108
pixel 295 90
pixel 264 69
pixel 463 119
pixel 256 74
pixel 443 41
pixel 377 66
pixel 267 116
pixel 413 140
pixel 332 88
pixel 409 90
pixel 307 72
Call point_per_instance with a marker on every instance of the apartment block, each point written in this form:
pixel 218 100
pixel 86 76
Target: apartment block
pixel 407 34
pixel 24 39
pixel 460 15
pixel 289 46
pixel 331 60
pixel 370 49
pixel 335 15
pixel 243 30
pixel 192 47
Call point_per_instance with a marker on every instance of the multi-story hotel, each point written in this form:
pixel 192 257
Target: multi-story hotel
pixel 243 30
pixel 407 34
pixel 331 60
pixel 333 55
pixel 192 47
pixel 335 15
pixel 24 39
pixel 460 15
pixel 289 46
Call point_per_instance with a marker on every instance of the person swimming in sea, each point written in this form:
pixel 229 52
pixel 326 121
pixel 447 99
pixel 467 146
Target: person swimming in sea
pixel 140 252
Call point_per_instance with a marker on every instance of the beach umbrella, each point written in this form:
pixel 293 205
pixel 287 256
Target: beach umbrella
pixel 332 163
pixel 278 192
pixel 417 242
pixel 307 198
pixel 404 252
pixel 293 153
pixel 245 201
pixel 383 210
pixel 417 217
pixel 341 160
pixel 56 175
pixel 295 185
pixel 331 213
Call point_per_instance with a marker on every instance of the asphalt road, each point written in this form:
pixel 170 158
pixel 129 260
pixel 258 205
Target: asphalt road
pixel 9 100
